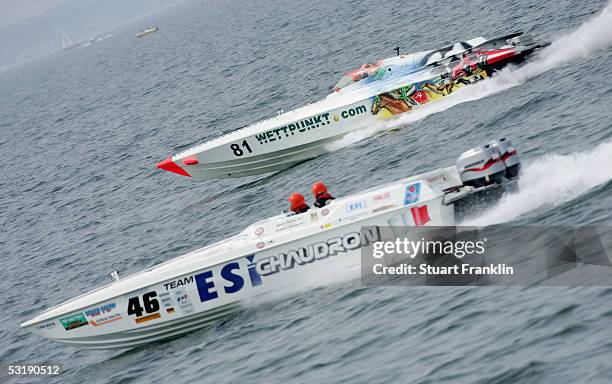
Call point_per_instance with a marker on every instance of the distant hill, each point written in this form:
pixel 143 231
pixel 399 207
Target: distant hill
pixel 79 19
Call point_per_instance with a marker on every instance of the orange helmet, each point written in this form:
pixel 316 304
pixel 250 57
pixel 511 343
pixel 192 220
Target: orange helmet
pixel 296 200
pixel 318 188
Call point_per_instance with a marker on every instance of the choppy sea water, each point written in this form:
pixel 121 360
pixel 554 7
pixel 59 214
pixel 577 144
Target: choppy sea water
pixel 80 197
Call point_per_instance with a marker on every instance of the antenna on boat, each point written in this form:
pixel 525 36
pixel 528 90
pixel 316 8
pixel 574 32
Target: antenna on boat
pixel 115 275
pixel 397 50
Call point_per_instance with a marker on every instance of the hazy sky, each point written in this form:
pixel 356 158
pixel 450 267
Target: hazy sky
pixel 33 28
pixel 12 11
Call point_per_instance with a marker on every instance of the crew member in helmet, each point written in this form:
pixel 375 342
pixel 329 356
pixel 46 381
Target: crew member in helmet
pixel 319 190
pixel 297 203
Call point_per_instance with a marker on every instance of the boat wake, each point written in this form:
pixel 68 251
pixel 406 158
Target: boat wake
pixel 592 36
pixel 550 181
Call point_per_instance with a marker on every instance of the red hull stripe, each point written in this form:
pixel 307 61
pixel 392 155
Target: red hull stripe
pixel 487 165
pixel 171 166
pixel 499 55
pixel 506 155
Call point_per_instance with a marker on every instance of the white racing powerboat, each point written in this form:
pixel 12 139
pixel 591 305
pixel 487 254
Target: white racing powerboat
pixel 269 256
pixel 362 98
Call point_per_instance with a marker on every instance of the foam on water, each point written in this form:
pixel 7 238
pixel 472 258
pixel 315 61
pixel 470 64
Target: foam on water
pixel 550 181
pixel 592 36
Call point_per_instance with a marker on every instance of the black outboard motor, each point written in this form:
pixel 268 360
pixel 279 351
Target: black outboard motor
pixel 481 166
pixel 508 154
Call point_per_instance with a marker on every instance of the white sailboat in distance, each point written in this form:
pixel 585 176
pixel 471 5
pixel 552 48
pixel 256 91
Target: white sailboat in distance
pixel 67 42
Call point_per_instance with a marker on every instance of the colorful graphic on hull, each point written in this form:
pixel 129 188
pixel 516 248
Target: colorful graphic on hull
pixel 405 98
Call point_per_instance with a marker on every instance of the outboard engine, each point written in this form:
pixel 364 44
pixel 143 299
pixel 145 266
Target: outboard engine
pixel 481 166
pixel 508 154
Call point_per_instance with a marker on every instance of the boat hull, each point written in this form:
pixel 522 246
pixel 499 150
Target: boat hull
pixel 179 303
pixel 276 160
pixel 282 142
pixel 285 146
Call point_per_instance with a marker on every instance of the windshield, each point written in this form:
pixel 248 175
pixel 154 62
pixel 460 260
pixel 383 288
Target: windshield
pixel 344 81
pixel 361 73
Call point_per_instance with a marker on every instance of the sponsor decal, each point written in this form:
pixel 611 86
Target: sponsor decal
pixel 351 112
pixel 383 208
pixel 178 283
pixel 325 212
pixel 317 251
pixel 106 319
pixel 167 301
pixel 143 319
pixel 48 325
pixel 290 222
pixel 300 126
pixel 381 197
pixel 438 177
pixel 412 193
pixel 230 281
pixel 176 295
pixel 260 245
pixel 471 165
pixel 327 226
pixel 74 321
pixel 259 231
pixel 252 268
pixel 356 210
pixel 183 301
pixel 355 206
pixel 103 314
pixel 97 311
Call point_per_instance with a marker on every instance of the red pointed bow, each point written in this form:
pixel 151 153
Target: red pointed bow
pixel 171 166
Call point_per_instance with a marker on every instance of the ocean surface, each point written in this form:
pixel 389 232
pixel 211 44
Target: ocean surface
pixel 80 197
